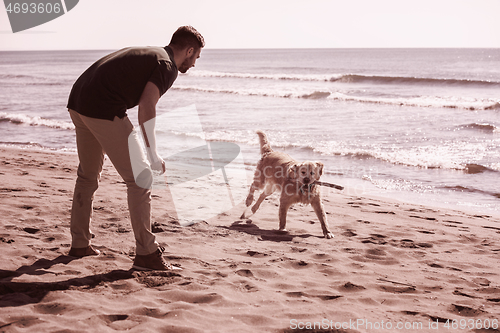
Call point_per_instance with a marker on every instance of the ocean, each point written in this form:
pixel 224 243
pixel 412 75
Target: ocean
pixel 417 125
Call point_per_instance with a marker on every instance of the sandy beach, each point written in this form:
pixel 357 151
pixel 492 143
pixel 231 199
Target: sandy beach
pixel 390 265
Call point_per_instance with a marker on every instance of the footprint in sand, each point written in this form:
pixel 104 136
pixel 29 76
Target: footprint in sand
pixel 375 239
pixel 298 249
pixel 434 265
pixel 350 250
pixel 114 317
pixel 481 281
pixel 350 287
pixel 245 273
pixel 54 308
pixel 380 256
pixel 112 226
pixel 248 287
pixel 426 232
pixel 322 256
pixel 454 224
pixel 157 278
pixel 349 233
pixel 432 318
pixel 398 290
pixel 17 189
pixel 31 230
pixel 494 228
pixel 256 254
pixel 119 322
pixel 300 294
pixel 150 312
pixel 465 311
pixel 408 243
pixel 6 240
pixel 424 218
pixel 376 255
pixel 460 293
pixel 22 321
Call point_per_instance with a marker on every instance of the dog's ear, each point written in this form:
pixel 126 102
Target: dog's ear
pixel 292 171
pixel 319 167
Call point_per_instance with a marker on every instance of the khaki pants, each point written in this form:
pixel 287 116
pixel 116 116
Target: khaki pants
pixel 94 137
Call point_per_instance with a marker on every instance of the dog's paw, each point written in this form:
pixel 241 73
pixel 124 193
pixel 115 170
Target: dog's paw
pixel 246 214
pixel 329 235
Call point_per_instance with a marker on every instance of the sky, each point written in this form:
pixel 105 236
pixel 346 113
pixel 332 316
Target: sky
pixel 112 24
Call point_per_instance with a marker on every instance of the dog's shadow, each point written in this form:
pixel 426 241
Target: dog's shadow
pixel 274 235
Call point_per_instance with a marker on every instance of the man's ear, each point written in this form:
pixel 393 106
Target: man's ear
pixel 189 52
pixel 319 167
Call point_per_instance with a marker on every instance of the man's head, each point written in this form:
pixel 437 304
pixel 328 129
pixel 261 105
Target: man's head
pixel 186 43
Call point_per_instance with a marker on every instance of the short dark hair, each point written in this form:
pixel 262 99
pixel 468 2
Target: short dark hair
pixel 187 36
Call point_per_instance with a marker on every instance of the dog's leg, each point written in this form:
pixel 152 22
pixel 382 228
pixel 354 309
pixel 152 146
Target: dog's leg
pixel 249 200
pixel 259 182
pixel 255 186
pixel 268 190
pixel 283 210
pixel 320 213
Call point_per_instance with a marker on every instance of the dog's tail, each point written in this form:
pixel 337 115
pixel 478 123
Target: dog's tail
pixel 265 146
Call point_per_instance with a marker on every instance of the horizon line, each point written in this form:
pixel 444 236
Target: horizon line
pixel 266 48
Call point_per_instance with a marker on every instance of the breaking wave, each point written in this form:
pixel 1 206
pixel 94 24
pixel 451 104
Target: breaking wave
pixel 429 157
pixel 422 101
pixel 482 127
pixel 35 121
pixel 348 78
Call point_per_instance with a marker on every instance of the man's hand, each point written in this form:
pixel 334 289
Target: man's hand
pixel 159 166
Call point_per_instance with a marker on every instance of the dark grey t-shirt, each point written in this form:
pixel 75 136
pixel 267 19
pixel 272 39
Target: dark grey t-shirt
pixel 115 82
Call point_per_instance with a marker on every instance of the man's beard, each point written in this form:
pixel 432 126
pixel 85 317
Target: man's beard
pixel 183 68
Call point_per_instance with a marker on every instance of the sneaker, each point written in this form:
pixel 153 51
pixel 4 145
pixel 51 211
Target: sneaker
pixel 83 252
pixel 153 262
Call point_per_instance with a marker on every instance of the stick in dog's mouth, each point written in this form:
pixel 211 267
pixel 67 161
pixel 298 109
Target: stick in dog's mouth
pixel 338 187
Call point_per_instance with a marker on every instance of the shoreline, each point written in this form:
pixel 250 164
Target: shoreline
pixel 389 261
pixel 351 188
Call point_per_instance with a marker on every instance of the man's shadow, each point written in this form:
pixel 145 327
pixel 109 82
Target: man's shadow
pixel 14 293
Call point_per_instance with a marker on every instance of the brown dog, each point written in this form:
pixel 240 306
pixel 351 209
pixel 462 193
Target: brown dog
pixel 277 171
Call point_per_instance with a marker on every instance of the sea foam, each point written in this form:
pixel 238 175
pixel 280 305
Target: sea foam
pixel 35 121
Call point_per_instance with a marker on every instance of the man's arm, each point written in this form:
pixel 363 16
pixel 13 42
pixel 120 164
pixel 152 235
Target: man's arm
pixel 147 120
pixel 147 103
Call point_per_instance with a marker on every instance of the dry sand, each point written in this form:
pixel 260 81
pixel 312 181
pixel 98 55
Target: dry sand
pixel 390 263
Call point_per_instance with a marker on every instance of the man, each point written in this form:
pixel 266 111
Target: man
pixel 97 104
